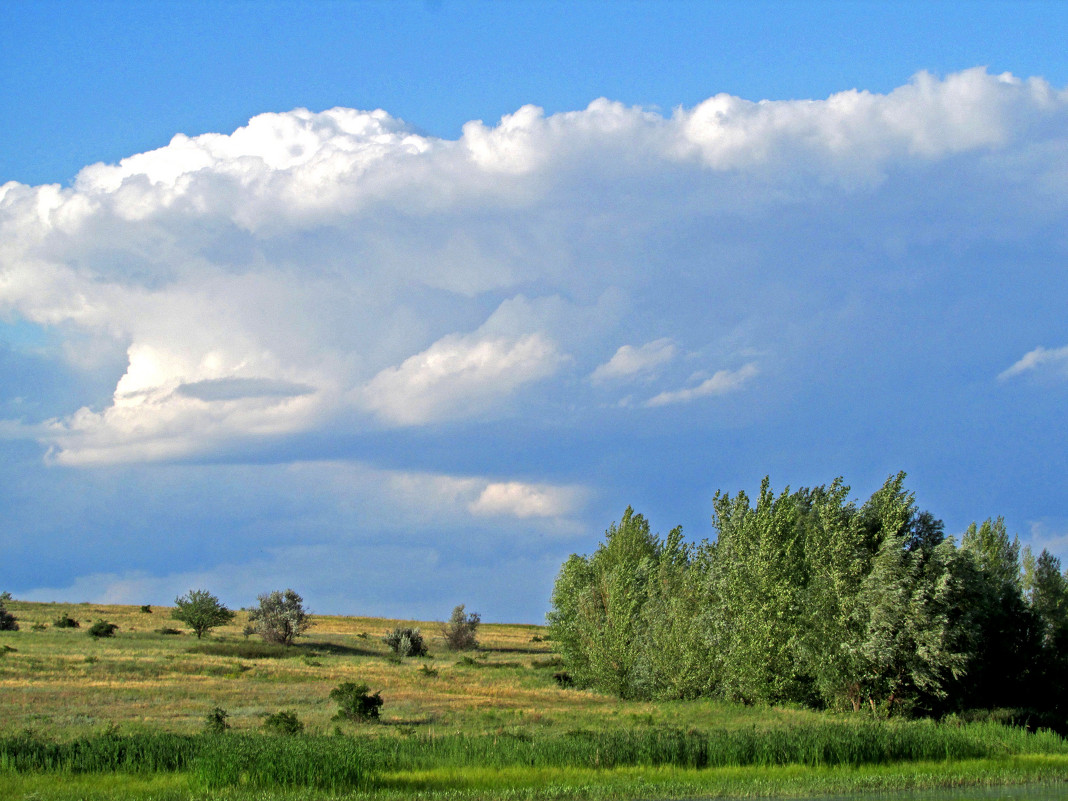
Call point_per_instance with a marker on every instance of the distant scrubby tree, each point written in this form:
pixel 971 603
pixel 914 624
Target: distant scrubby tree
pixel 280 617
pixel 201 611
pixel 461 629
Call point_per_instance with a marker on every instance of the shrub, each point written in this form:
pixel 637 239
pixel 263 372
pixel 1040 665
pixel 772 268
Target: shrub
pixel 283 723
pixel 201 611
pixel 215 722
pixel 146 609
pixel 168 631
pixel 5 596
pixel 102 629
pixel 355 702
pixel 65 622
pixel 404 641
pixel 564 679
pixel 281 617
pixel 459 632
pixel 7 620
pixel 39 626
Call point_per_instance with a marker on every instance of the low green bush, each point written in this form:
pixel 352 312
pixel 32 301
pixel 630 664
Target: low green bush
pixel 283 723
pixel 215 721
pixel 355 702
pixel 103 629
pixel 7 620
pixel 405 641
pixel 65 622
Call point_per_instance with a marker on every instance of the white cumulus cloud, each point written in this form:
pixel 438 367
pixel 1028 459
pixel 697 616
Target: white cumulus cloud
pixel 517 499
pixel 457 374
pixel 313 271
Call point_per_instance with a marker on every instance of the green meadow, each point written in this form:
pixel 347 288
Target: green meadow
pixel 125 716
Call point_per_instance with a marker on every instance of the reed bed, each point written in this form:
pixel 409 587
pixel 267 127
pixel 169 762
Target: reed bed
pixel 213 760
pixel 824 745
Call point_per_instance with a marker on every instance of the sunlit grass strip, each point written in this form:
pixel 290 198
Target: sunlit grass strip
pixel 666 782
pixel 519 783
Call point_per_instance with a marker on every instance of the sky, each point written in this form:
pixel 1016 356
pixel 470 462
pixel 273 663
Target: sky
pixel 400 304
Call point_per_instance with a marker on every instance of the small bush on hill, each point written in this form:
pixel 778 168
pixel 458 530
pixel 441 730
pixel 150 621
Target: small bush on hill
pixel 459 632
pixel 355 702
pixel 405 641
pixel 102 629
pixel 283 723
pixel 146 609
pixel 168 631
pixel 65 622
pixel 7 620
pixel 215 722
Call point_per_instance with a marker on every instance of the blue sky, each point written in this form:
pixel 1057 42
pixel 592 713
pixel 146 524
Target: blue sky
pixel 399 304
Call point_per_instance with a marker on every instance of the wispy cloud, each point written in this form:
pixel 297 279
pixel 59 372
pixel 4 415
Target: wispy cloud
pixel 1039 359
pixel 629 361
pixel 720 383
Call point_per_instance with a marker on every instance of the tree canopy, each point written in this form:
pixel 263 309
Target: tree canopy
pixel 809 597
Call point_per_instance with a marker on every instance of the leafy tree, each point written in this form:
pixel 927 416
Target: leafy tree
pixel 460 632
pixel 201 611
pixel 1046 589
pixel 280 617
pixel 1004 645
pixel 602 610
pixel 758 575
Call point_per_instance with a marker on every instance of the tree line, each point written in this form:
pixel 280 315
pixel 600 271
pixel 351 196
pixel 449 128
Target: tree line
pixel 806 597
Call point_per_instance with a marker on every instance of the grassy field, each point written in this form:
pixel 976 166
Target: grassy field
pixel 487 724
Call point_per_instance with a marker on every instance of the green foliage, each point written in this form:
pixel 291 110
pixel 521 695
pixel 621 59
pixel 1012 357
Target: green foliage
pixel 65 622
pixel 461 630
pixel 806 598
pixel 285 722
pixel 216 721
pixel 355 702
pixel 146 609
pixel 405 641
pixel 102 628
pixel 8 622
pixel 201 611
pixel 5 596
pixel 280 617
